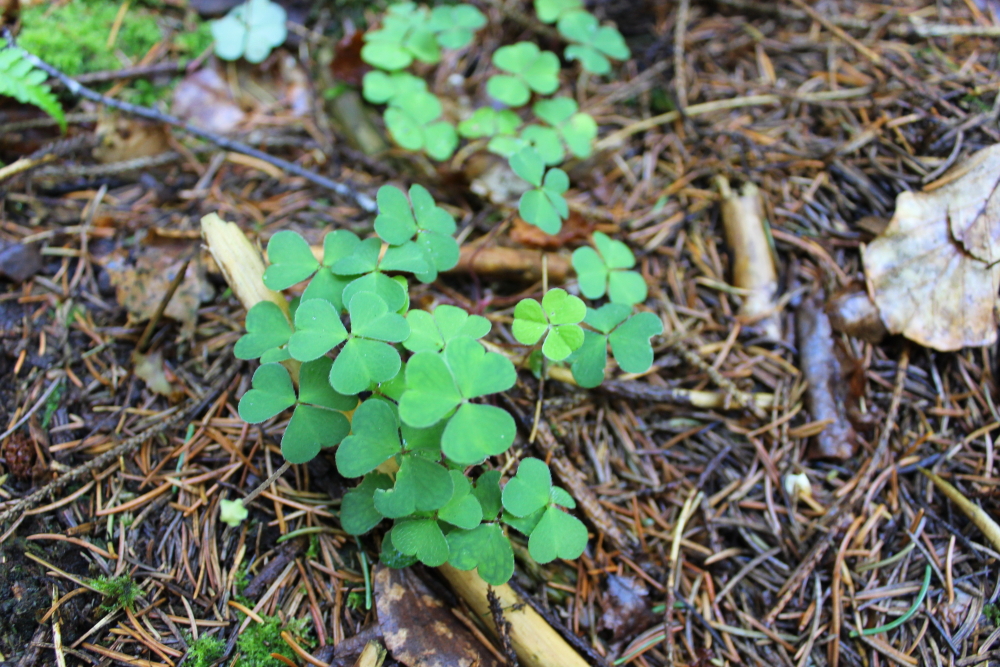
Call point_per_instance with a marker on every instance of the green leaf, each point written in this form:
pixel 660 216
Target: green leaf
pixel 386 56
pixel 327 286
pixel 607 317
pixel 315 389
pixel 590 359
pixel 476 371
pixel 429 216
pixel 561 497
pixel 392 557
pixel 484 547
pixel 530 323
pixel 630 342
pixel 546 143
pixel 562 307
pixel 440 140
pixel 463 510
pixel 528 165
pixel 477 432
pixel 291 261
pixel 626 287
pixel 616 254
pixel 549 11
pixel 357 509
pixel 528 491
pixel 489 122
pixel 389 290
pixel 562 341
pixel 577 130
pixel 535 207
pixel 409 257
pixel 527 67
pixel 251 30
pixel 456 25
pixel 361 363
pixel 267 328
pixel 362 258
pixel 395 223
pixel 411 121
pixel 590 58
pixel 381 88
pixel 370 318
pixel 594 42
pixel 426 441
pixel 275 354
pixel 510 90
pixel 374 439
pixel 487 492
pixel 311 429
pixel 557 535
pixel 591 273
pixel 421 538
pixel 20 80
pixel 271 393
pixel 432 332
pixel 524 524
pixel 232 512
pixel 421 485
pixel 431 392
pixel 318 330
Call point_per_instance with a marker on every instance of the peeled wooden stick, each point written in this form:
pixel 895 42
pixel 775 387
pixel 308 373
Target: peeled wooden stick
pixel 753 266
pixel 536 642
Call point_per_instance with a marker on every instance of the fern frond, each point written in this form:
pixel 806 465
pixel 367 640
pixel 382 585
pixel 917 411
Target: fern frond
pixel 18 79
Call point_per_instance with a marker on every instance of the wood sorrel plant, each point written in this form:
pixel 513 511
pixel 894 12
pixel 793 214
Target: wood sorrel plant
pixel 415 118
pixel 400 393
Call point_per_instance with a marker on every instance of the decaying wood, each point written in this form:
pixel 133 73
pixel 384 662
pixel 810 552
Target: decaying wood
pixel 753 263
pixel 515 264
pixel 537 644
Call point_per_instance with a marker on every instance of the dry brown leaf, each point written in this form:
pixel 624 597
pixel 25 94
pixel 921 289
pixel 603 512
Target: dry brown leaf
pixel 418 629
pixel 933 272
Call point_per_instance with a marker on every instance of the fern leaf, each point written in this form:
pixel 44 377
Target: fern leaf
pixel 18 79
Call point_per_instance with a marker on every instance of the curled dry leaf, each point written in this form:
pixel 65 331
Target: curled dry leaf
pixel 934 271
pixel 419 630
pixel 851 311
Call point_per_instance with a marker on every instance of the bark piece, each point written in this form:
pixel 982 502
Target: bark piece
pixel 827 392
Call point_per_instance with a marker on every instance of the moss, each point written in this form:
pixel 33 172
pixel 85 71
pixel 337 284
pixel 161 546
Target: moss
pixel 74 37
pixel 120 592
pixel 260 640
pixel 205 651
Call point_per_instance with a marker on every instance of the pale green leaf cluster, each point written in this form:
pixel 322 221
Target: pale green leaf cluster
pixel 250 30
pixel 382 383
pixel 18 79
pixel 592 44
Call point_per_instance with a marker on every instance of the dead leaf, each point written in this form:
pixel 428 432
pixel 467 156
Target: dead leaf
pixel 626 607
pixel 149 367
pixel 934 271
pixel 141 280
pixel 575 229
pixel 203 99
pixel 347 65
pixel 418 628
pixel 127 138
pixel 18 262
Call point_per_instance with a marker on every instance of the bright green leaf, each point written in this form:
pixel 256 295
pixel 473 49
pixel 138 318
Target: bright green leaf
pixel 557 535
pixel 232 512
pixel 374 439
pixel 477 432
pixel 530 323
pixel 267 328
pixel 549 11
pixel 271 393
pixel 528 491
pixel 315 389
pixel 310 430
pixel 590 359
pixel 421 538
pixel 630 342
pixel 291 261
pixel 421 485
pixel 361 363
pixel 395 223
pixel 318 330
pixel 463 510
pixel 484 547
pixel 357 509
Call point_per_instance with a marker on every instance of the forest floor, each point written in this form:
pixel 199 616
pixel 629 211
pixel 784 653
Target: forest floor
pixel 730 530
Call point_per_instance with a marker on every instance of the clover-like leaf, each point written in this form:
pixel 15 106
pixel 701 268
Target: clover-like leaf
pixel 376 282
pixel 545 141
pixel 271 392
pixel 412 119
pixel 310 430
pixel 374 438
pixel 421 485
pixel 530 323
pixel 463 510
pixel 489 122
pixel 561 497
pixel 487 492
pixel 607 317
pixel 232 512
pixel 366 357
pixel 549 11
pixel 395 223
pixel 318 330
pixel 630 342
pixel 438 383
pixel 556 316
pixel 370 318
pixel 528 491
pixel 405 35
pixel 381 88
pixel 357 509
pixel 557 535
pixel 250 30
pixel 431 332
pixel 392 557
pixel 267 328
pixel 484 547
pixel 589 360
pixel 577 129
pixel 528 69
pixel 594 43
pixel 291 261
pixel 528 164
pixel 421 538
pixel 602 271
pixel 456 25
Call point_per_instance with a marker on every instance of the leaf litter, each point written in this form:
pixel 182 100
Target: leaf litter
pixel 752 572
